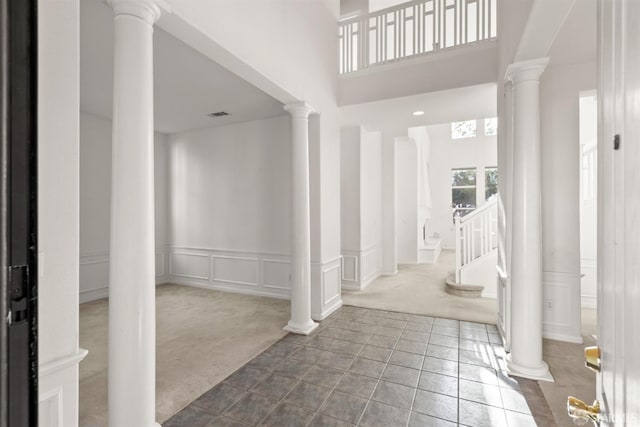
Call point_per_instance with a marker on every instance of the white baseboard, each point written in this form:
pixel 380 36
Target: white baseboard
pixel 232 289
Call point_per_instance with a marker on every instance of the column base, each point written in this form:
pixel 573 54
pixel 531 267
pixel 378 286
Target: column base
pixel 301 328
pixel 538 372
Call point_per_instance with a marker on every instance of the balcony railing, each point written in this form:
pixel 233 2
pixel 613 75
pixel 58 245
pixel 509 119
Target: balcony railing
pixel 414 28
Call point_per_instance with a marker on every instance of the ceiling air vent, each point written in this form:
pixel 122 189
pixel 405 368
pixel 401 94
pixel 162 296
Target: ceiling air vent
pixel 219 114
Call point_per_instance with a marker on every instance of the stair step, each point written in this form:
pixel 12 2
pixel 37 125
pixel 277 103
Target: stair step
pixel 460 290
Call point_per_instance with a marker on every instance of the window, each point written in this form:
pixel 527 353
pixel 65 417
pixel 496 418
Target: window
pixel 463 191
pixel 466 129
pixel 490 182
pixel 491 126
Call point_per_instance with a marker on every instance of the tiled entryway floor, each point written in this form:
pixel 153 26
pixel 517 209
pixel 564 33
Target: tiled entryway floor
pixel 370 368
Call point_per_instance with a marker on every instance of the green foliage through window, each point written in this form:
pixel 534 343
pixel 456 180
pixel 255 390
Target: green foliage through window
pixel 491 182
pixel 465 129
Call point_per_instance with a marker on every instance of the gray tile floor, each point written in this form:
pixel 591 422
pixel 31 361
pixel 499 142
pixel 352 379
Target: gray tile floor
pixel 370 368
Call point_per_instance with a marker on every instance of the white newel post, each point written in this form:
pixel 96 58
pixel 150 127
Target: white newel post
pixel 300 322
pixel 525 359
pixel 132 334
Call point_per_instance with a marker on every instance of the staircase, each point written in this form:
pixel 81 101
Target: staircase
pixel 476 253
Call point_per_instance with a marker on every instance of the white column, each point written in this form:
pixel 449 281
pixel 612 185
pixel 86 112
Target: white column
pixel 132 334
pixel 525 359
pixel 300 322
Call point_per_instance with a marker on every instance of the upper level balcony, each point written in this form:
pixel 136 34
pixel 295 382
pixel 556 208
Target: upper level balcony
pixel 413 29
pixel 417 47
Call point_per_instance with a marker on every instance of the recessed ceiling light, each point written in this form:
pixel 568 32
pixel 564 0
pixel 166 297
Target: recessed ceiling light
pixel 418 113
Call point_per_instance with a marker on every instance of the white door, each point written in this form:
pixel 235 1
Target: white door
pixel 619 212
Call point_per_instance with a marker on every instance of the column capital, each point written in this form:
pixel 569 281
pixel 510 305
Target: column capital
pixel 147 10
pixel 523 71
pixel 299 109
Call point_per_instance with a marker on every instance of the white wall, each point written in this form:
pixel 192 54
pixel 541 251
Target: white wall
pixel 560 88
pixel 230 208
pixel 406 199
pixel 350 193
pixel 361 206
pixel 95 205
pixel 423 189
pixel 588 200
pixel 446 154
pixel 389 261
pixel 371 205
pixel 58 212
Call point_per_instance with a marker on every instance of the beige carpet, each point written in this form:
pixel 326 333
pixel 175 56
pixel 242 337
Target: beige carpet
pixel 419 289
pixel 202 337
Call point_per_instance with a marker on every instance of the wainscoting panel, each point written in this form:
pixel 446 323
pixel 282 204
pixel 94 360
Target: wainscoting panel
pixel 326 285
pixel 370 261
pixel 235 270
pixel 361 268
pixel 562 307
pixel 251 273
pixel 276 274
pixel 349 268
pixel 189 265
pixel 94 273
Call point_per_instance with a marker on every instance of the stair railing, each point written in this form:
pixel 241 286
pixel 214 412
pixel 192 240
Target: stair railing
pixel 476 234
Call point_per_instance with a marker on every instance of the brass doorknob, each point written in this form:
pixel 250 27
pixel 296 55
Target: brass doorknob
pixel 592 358
pixel 581 413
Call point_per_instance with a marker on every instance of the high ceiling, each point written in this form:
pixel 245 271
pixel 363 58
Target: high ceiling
pixel 187 85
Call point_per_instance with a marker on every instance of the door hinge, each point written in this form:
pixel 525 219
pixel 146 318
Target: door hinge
pixel 18 293
pixel 616 141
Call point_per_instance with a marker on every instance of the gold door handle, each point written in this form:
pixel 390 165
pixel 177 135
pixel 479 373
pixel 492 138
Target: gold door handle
pixel 592 358
pixel 581 413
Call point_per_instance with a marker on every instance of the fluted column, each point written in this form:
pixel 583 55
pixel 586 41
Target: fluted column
pixel 300 322
pixel 525 358
pixel 132 329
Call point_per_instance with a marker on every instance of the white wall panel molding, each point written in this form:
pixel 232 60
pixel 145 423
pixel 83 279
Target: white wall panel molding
pixel 561 321
pixel 326 286
pixel 58 390
pixel 276 273
pixel 190 265
pixel 361 268
pixel 371 261
pixel 235 270
pixel 253 273
pixel 94 273
pixel 350 269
